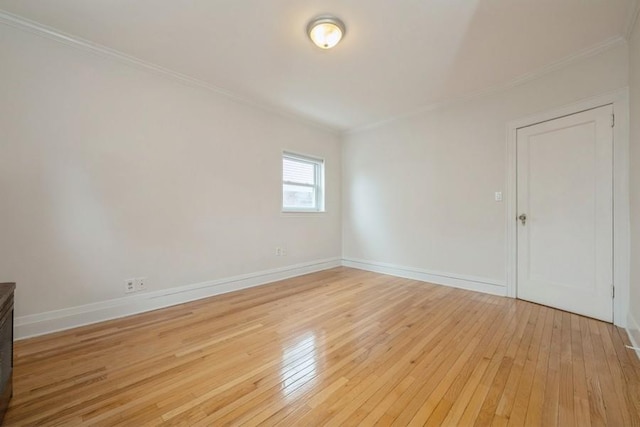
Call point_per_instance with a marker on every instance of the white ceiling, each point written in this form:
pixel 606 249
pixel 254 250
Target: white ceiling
pixel 397 56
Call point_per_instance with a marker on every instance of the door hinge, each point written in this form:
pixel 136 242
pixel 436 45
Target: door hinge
pixel 613 291
pixel 613 120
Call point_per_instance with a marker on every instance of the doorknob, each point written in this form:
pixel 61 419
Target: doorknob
pixel 523 218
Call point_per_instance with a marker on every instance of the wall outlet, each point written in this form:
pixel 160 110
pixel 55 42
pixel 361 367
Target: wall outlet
pixel 278 251
pixel 129 285
pixel 141 284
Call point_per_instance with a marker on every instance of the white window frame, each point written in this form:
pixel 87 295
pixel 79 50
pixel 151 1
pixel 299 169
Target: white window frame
pixel 318 164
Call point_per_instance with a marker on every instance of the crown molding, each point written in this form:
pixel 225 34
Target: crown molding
pixel 632 18
pixel 51 33
pixel 518 81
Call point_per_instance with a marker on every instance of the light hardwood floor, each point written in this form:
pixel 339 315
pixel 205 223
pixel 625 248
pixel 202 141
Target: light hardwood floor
pixel 339 347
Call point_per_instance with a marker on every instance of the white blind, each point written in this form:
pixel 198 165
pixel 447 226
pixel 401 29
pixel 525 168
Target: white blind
pixel 298 171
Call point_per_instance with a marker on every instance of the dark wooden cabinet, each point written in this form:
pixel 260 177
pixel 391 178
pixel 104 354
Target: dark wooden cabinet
pixel 6 345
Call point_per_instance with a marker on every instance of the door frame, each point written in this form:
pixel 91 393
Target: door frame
pixel 621 228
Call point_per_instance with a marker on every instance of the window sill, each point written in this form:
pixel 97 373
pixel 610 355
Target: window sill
pixel 302 213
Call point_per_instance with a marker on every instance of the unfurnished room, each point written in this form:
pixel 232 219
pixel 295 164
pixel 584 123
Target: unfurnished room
pixel 304 213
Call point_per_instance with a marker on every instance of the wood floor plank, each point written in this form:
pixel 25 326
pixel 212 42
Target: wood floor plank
pixel 394 367
pixel 497 382
pixel 508 398
pixel 552 386
pixel 434 336
pixel 619 381
pixel 471 410
pixel 566 414
pixel 522 398
pixel 538 388
pixel 580 391
pixel 337 347
pixel 460 390
pixel 630 370
pixel 430 374
pixel 416 352
pixel 347 364
pixel 607 383
pixel 597 413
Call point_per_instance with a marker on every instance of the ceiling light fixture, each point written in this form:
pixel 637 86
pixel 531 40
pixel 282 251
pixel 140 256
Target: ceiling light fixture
pixel 326 31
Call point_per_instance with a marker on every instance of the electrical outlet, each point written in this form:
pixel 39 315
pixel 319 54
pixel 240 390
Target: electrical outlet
pixel 278 251
pixel 141 284
pixel 129 286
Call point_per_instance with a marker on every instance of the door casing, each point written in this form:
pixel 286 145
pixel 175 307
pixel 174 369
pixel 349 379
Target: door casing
pixel 621 256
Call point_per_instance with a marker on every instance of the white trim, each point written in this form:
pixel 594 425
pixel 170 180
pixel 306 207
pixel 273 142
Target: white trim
pixel 106 52
pixel 518 81
pixel 510 208
pixel 621 260
pixel 103 51
pixel 471 283
pixel 58 320
pixel 633 330
pixel 303 214
pixel 632 18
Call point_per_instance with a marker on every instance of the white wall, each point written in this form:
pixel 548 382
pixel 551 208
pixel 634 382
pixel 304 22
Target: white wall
pixel 634 143
pixel 108 171
pixel 418 192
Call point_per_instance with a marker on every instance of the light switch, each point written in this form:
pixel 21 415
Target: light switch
pixel 498 196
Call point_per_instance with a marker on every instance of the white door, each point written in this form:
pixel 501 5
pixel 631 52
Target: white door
pixel 565 210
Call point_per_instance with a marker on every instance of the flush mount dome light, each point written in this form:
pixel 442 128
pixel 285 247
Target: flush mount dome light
pixel 326 31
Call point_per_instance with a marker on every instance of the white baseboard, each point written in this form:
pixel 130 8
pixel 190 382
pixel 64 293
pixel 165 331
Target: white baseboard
pixel 633 330
pixel 470 283
pixel 58 320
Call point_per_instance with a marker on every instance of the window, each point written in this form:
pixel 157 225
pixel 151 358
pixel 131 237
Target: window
pixel 302 183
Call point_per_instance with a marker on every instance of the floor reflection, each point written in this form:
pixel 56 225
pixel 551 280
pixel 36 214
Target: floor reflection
pixel 298 370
